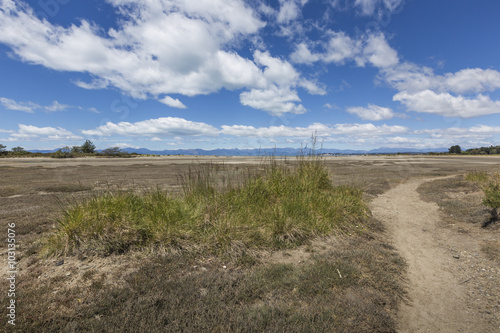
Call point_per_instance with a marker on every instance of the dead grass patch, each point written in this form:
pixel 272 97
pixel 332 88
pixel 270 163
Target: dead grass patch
pixel 354 286
pixel 459 200
pixel 492 250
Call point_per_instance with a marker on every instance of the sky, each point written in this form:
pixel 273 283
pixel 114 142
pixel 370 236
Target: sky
pixel 179 74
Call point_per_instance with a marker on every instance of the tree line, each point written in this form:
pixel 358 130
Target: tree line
pixel 86 149
pixel 491 150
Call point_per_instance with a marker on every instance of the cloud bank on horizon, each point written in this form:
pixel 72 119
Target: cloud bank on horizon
pixel 248 74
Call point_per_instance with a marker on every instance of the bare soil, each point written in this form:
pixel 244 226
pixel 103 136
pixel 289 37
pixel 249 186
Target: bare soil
pixel 451 286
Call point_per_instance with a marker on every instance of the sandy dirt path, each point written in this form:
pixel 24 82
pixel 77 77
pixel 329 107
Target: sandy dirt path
pixel 436 298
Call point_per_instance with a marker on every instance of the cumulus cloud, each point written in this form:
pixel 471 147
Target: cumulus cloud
pixel 448 105
pixel 275 100
pixel 414 78
pixel 378 52
pixel 289 10
pixel 372 112
pixel 160 127
pixel 459 94
pixel 150 53
pixel 302 55
pixel 175 103
pixel 340 48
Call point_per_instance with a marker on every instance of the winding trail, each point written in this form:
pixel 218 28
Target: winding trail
pixel 436 298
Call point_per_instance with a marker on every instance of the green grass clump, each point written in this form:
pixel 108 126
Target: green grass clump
pixel 477 176
pixel 281 207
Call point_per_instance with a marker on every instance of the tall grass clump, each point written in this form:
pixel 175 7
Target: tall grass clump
pixel 282 206
pixel 490 184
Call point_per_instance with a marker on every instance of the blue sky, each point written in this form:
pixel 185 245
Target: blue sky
pixel 172 74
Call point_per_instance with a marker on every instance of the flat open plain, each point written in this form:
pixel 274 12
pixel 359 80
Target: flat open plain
pixel 453 286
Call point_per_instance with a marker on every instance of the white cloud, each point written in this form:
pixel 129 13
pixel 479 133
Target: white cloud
pixel 378 52
pixel 160 127
pixel 93 110
pixel 372 112
pixel 6 131
pixel 10 104
pixel 302 55
pixel 317 129
pixel 124 145
pixel 339 48
pixel 150 53
pixel 175 103
pixel 458 94
pixel 276 131
pixel 56 106
pixel 29 132
pixel 414 78
pixel 369 129
pixel 275 100
pixel 30 107
pixel 448 105
pixel 94 84
pixel 312 87
pixel 398 139
pixel 369 7
pixel 289 11
pixel 276 70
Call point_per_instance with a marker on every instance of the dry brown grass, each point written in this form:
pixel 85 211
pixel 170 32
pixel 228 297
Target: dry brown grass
pixel 459 200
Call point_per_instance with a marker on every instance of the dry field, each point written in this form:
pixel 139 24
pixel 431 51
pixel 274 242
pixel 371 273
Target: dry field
pixel 423 261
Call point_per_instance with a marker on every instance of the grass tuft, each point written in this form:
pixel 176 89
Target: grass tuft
pixel 283 206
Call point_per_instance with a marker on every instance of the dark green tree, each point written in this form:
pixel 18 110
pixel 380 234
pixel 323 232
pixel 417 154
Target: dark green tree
pixel 113 151
pixel 18 150
pixel 76 149
pixel 455 149
pixel 88 147
pixel 2 149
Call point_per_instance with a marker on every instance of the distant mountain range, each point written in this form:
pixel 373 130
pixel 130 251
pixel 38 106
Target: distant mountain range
pixel 269 151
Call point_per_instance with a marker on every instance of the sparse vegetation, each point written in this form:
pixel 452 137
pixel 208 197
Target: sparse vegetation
pixel 449 194
pixel 350 288
pixel 477 176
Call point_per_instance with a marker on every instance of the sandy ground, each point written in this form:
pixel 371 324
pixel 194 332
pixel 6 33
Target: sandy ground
pixel 440 300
